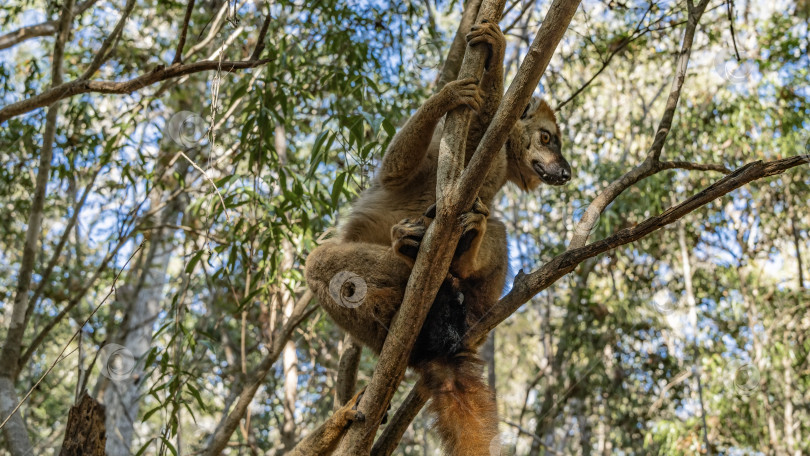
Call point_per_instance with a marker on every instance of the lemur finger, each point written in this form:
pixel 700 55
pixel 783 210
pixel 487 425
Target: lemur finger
pixel 467 81
pixel 479 207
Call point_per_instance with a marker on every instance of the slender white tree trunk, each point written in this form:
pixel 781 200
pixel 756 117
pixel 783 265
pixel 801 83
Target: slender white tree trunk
pixel 122 396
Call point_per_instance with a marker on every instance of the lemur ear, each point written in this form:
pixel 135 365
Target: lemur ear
pixel 530 108
pixel 526 111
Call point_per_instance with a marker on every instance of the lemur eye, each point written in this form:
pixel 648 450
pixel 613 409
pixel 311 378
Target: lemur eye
pixel 545 137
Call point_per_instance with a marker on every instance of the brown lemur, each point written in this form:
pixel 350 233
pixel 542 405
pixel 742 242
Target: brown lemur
pixel 360 275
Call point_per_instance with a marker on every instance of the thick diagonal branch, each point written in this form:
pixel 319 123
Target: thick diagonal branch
pixel 528 285
pixel 456 190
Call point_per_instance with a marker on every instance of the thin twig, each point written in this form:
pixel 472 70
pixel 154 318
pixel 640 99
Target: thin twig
pixel 104 52
pixel 221 200
pixel 178 54
pixel 62 241
pixel 730 4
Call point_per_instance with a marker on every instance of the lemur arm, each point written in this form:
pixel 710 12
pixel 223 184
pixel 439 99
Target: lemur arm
pixel 410 144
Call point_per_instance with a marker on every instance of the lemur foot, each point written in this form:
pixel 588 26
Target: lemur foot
pixel 407 237
pixel 350 413
pixel 473 223
pixel 489 33
pixel 356 401
pixel 464 92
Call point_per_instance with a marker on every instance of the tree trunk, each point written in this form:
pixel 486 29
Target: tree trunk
pixel 142 306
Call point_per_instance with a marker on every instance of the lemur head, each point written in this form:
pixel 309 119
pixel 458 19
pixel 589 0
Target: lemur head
pixel 534 149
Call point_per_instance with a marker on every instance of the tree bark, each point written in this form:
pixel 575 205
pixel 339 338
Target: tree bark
pixel 85 434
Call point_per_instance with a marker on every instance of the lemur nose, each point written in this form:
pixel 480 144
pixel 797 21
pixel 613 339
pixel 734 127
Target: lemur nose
pixel 566 173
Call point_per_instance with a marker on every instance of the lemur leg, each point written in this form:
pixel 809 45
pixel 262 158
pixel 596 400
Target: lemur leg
pixel 485 285
pixel 466 259
pixel 360 285
pixel 409 146
pixel 324 440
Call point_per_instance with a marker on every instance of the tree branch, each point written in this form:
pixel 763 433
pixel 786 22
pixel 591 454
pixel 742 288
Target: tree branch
pixel 104 52
pixel 650 165
pixel 452 64
pixel 528 285
pixel 395 429
pixel 16 434
pixel 178 53
pixel 77 87
pixel 42 29
pixel 45 276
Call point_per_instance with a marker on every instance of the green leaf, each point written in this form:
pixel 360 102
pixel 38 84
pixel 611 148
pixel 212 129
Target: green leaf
pixel 193 261
pixel 337 187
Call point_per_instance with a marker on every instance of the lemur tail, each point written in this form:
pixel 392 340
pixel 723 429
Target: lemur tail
pixel 464 406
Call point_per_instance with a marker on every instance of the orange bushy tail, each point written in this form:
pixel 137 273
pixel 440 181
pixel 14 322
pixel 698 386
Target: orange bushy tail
pixel 464 406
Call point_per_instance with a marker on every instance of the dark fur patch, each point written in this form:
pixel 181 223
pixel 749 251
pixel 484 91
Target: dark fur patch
pixel 445 326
